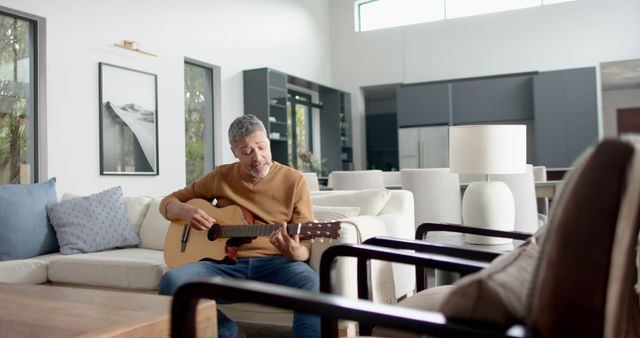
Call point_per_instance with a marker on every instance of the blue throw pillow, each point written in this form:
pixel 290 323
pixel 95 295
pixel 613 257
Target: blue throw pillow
pixel 92 223
pixel 25 230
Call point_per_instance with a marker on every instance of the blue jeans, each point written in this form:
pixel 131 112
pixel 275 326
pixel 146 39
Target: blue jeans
pixel 276 270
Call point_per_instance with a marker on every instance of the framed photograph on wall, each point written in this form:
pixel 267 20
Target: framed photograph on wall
pixel 128 121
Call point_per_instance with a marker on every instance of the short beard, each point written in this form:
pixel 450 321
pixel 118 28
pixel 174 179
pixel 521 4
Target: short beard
pixel 261 174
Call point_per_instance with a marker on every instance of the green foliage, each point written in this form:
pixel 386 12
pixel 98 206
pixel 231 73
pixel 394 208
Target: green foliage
pixel 194 104
pixel 309 163
pixel 13 98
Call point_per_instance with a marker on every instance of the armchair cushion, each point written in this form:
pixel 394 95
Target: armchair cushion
pixel 497 294
pixel 327 213
pixel 370 202
pixel 428 300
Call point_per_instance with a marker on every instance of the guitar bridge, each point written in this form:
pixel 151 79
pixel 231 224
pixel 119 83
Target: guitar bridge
pixel 184 238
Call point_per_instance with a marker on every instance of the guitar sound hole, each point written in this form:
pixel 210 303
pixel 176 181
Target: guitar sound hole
pixel 214 232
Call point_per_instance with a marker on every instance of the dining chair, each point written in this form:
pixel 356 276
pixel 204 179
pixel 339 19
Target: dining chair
pixel 312 181
pixel 356 180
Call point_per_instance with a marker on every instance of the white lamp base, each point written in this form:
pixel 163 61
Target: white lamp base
pixel 488 205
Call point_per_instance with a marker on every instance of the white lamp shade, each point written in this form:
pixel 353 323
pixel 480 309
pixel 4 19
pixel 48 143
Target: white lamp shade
pixel 488 149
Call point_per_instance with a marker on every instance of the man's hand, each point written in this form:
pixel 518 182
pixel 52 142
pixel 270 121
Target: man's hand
pixel 197 218
pixel 290 246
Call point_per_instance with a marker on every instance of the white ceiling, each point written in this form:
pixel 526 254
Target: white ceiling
pixel 620 75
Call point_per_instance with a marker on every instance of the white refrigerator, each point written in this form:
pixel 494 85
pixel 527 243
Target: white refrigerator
pixel 424 147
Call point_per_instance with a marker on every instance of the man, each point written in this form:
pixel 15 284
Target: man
pixel 274 194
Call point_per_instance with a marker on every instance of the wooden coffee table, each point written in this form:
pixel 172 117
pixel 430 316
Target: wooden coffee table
pixel 55 311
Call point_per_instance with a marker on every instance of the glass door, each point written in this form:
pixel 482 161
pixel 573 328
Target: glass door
pixel 298 127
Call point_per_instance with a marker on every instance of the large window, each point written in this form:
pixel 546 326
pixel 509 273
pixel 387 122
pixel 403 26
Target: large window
pixel 19 108
pixel 198 118
pixel 377 14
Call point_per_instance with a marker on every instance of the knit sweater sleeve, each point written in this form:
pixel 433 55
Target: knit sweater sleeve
pixel 200 188
pixel 302 211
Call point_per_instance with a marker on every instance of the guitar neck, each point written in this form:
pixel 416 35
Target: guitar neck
pixel 254 230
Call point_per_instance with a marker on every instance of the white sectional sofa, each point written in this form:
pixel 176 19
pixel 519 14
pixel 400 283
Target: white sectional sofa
pixel 139 269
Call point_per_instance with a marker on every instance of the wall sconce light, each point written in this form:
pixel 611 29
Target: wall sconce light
pixel 133 46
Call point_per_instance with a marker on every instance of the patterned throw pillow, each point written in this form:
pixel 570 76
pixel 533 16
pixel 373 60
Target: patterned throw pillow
pixel 92 223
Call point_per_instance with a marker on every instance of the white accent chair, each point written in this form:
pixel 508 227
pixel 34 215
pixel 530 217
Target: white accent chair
pixel 312 181
pixel 436 194
pixel 437 198
pixel 392 179
pixel 356 180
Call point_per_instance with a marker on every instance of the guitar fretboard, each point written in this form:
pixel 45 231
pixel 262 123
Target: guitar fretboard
pixel 254 230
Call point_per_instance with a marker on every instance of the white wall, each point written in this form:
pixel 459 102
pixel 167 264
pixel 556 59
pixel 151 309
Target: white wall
pixel 288 35
pixel 612 100
pixel 568 35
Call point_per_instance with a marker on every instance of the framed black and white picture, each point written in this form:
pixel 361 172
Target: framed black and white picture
pixel 128 121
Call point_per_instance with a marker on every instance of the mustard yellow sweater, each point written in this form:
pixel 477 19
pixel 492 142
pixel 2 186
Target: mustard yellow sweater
pixel 281 196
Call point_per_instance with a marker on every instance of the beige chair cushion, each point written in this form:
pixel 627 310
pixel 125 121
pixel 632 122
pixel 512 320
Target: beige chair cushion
pixel 428 300
pixel 497 293
pixel 370 202
pixel 326 213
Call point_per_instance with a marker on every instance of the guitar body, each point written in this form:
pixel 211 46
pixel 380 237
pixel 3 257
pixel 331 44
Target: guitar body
pixel 234 227
pixel 198 246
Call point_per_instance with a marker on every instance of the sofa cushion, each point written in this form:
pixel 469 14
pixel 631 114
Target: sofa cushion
pixel 25 230
pixel 370 202
pixel 135 206
pixel 92 223
pixel 131 268
pixel 25 271
pixel 153 230
pixel 325 213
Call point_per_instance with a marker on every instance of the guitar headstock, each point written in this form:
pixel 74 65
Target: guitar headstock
pixel 312 230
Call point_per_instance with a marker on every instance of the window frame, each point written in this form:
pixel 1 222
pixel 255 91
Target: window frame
pixel 213 116
pixel 357 13
pixel 38 67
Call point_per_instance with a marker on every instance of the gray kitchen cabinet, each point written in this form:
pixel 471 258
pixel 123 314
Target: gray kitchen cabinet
pixel 423 104
pixel 565 115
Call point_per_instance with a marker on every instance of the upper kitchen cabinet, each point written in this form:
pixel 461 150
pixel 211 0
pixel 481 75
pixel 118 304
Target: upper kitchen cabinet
pixel 423 104
pixel 504 98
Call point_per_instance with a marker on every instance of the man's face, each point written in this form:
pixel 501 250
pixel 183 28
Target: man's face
pixel 254 153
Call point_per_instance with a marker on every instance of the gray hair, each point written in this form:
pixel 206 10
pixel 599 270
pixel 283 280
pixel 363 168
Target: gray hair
pixel 243 126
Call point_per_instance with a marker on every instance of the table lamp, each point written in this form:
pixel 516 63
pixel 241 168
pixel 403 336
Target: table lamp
pixel 488 149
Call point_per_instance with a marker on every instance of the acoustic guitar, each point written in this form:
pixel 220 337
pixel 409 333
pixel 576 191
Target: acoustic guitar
pixel 234 227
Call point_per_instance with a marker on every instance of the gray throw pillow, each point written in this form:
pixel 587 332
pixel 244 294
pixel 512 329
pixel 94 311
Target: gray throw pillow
pixel 92 223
